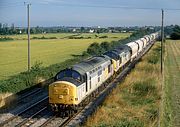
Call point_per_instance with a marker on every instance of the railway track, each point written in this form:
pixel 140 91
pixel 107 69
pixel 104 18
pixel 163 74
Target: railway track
pixel 26 114
pixel 22 99
pixel 29 121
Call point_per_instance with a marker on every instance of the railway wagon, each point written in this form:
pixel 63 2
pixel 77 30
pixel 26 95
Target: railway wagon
pixel 140 44
pixel 73 85
pixel 144 41
pixel 147 37
pixel 134 49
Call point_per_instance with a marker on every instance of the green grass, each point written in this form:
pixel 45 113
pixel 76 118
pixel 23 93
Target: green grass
pixel 136 100
pixel 13 54
pixel 171 100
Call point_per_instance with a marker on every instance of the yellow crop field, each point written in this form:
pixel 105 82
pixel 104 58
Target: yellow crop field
pixel 13 54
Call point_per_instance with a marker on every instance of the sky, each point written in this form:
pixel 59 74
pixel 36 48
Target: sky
pixel 89 12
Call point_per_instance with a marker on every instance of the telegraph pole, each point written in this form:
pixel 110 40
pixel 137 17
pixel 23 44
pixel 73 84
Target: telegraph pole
pixel 162 39
pixel 28 30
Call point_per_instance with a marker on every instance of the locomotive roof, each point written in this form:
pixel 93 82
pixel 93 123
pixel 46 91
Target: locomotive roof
pixel 117 51
pixel 90 64
pixel 122 48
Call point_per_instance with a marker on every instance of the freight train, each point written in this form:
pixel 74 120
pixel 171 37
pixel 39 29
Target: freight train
pixel 74 85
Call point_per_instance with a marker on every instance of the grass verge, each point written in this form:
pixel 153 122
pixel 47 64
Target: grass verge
pixel 171 98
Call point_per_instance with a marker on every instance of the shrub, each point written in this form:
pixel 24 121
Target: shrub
pixel 35 38
pixel 103 37
pixel 94 49
pixel 73 37
pixel 6 39
pixel 44 37
pixel 176 33
pixel 52 37
pixel 106 46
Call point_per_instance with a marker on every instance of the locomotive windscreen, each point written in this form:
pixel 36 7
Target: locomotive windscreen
pixel 68 73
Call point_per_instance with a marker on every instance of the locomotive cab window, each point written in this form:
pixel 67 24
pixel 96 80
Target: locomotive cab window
pixel 69 73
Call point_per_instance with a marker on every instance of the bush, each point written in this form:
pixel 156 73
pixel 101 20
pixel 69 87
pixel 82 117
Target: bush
pixel 176 33
pixel 52 37
pixel 35 38
pixel 6 39
pixel 73 37
pixel 106 46
pixel 44 37
pixel 103 37
pixel 94 49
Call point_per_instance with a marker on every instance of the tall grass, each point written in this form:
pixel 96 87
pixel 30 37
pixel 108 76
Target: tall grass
pixel 135 102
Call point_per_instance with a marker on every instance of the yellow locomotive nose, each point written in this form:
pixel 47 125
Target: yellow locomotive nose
pixel 62 92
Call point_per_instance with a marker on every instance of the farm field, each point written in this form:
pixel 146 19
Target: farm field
pixel 172 84
pixel 135 101
pixel 13 54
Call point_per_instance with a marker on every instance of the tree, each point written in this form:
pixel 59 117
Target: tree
pixel 106 46
pixel 176 33
pixel 94 49
pixel 82 29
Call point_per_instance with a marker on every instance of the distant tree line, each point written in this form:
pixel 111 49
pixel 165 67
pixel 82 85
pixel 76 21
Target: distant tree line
pixel 10 30
pixel 176 33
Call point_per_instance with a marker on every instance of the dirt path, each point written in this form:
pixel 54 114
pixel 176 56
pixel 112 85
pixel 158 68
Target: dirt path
pixel 172 79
